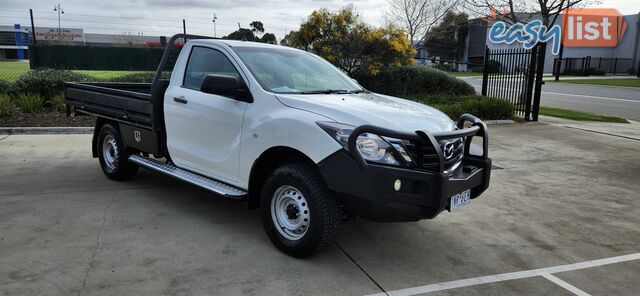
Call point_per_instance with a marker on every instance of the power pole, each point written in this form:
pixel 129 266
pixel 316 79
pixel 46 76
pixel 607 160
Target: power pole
pixel 33 27
pixel 214 24
pixel 184 30
pixel 58 9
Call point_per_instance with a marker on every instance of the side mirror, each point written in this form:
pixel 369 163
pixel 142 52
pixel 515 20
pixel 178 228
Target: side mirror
pixel 227 86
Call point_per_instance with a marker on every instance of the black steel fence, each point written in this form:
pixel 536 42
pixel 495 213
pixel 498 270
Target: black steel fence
pixel 117 58
pixel 110 54
pixel 594 66
pixel 516 76
pixel 450 65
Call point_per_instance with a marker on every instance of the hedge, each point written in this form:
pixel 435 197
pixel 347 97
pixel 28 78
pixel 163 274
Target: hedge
pixel 486 108
pixel 437 89
pixel 140 77
pixel 413 81
pixel 47 82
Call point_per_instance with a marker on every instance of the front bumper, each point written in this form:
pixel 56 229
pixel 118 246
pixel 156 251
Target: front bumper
pixel 370 191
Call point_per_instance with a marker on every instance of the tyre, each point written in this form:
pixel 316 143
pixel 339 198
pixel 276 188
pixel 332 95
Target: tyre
pixel 299 213
pixel 113 156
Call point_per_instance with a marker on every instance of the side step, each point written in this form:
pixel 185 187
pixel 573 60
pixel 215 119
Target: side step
pixel 218 187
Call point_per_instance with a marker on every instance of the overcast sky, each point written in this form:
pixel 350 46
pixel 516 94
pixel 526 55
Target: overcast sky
pixel 164 17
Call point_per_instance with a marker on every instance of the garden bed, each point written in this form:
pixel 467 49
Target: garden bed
pixel 45 119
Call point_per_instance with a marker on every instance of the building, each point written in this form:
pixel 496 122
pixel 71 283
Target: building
pixel 623 58
pixel 14 43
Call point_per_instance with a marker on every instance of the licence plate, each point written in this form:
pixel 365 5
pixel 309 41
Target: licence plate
pixel 460 200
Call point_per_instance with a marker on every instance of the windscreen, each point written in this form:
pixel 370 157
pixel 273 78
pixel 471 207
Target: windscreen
pixel 293 71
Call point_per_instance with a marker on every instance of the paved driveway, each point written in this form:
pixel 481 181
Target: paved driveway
pixel 558 196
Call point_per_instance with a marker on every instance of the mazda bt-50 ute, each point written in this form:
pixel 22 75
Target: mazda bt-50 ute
pixel 288 132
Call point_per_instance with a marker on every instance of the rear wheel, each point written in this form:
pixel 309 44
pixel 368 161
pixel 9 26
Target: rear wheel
pixel 113 156
pixel 299 213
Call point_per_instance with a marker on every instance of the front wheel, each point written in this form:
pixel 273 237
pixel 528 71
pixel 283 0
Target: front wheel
pixel 299 213
pixel 113 156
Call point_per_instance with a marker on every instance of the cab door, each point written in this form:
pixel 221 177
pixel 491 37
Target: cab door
pixel 204 130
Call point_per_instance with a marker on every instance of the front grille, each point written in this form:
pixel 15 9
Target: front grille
pixel 424 154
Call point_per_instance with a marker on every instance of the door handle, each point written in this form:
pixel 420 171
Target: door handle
pixel 180 99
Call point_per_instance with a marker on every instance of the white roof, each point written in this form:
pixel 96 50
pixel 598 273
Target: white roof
pixel 238 43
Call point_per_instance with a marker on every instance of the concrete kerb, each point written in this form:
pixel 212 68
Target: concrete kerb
pixel 499 122
pixel 44 130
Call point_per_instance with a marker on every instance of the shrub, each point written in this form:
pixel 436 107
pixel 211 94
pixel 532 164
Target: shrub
pixel 29 102
pixel 486 108
pixel 414 81
pixel 57 102
pixel 135 77
pixel 140 77
pixel 47 82
pixel 7 107
pixel 5 87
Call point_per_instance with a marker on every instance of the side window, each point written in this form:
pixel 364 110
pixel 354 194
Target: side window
pixel 205 61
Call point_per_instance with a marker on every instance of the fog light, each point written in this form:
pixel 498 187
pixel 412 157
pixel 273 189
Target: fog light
pixel 397 185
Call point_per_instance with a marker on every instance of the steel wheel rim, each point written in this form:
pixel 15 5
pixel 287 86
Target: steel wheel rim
pixel 290 212
pixel 110 152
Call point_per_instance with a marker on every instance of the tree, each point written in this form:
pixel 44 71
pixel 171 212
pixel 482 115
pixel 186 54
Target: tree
pixel 447 40
pixel 417 17
pixel 257 27
pixel 523 10
pixel 252 34
pixel 242 34
pixel 304 37
pixel 269 38
pixel 346 41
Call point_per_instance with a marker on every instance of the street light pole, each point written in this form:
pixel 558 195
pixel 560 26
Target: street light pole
pixel 58 8
pixel 214 24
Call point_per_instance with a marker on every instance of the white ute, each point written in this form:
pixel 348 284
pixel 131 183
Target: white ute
pixel 290 133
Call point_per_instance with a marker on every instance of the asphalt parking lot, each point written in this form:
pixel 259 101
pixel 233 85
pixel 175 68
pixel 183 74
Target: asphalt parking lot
pixel 562 217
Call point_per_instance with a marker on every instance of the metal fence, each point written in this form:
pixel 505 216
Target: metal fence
pixel 450 65
pixel 594 66
pixel 109 54
pixel 516 76
pixel 115 59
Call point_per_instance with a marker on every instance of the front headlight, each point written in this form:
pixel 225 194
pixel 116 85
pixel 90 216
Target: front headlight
pixel 372 147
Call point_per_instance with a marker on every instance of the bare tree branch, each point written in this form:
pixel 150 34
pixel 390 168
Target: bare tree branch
pixel 521 10
pixel 417 17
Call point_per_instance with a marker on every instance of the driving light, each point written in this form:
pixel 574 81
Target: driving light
pixel 397 185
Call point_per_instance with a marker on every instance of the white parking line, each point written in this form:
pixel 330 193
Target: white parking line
pixel 573 289
pixel 591 97
pixel 509 276
pixel 579 95
pixel 574 95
